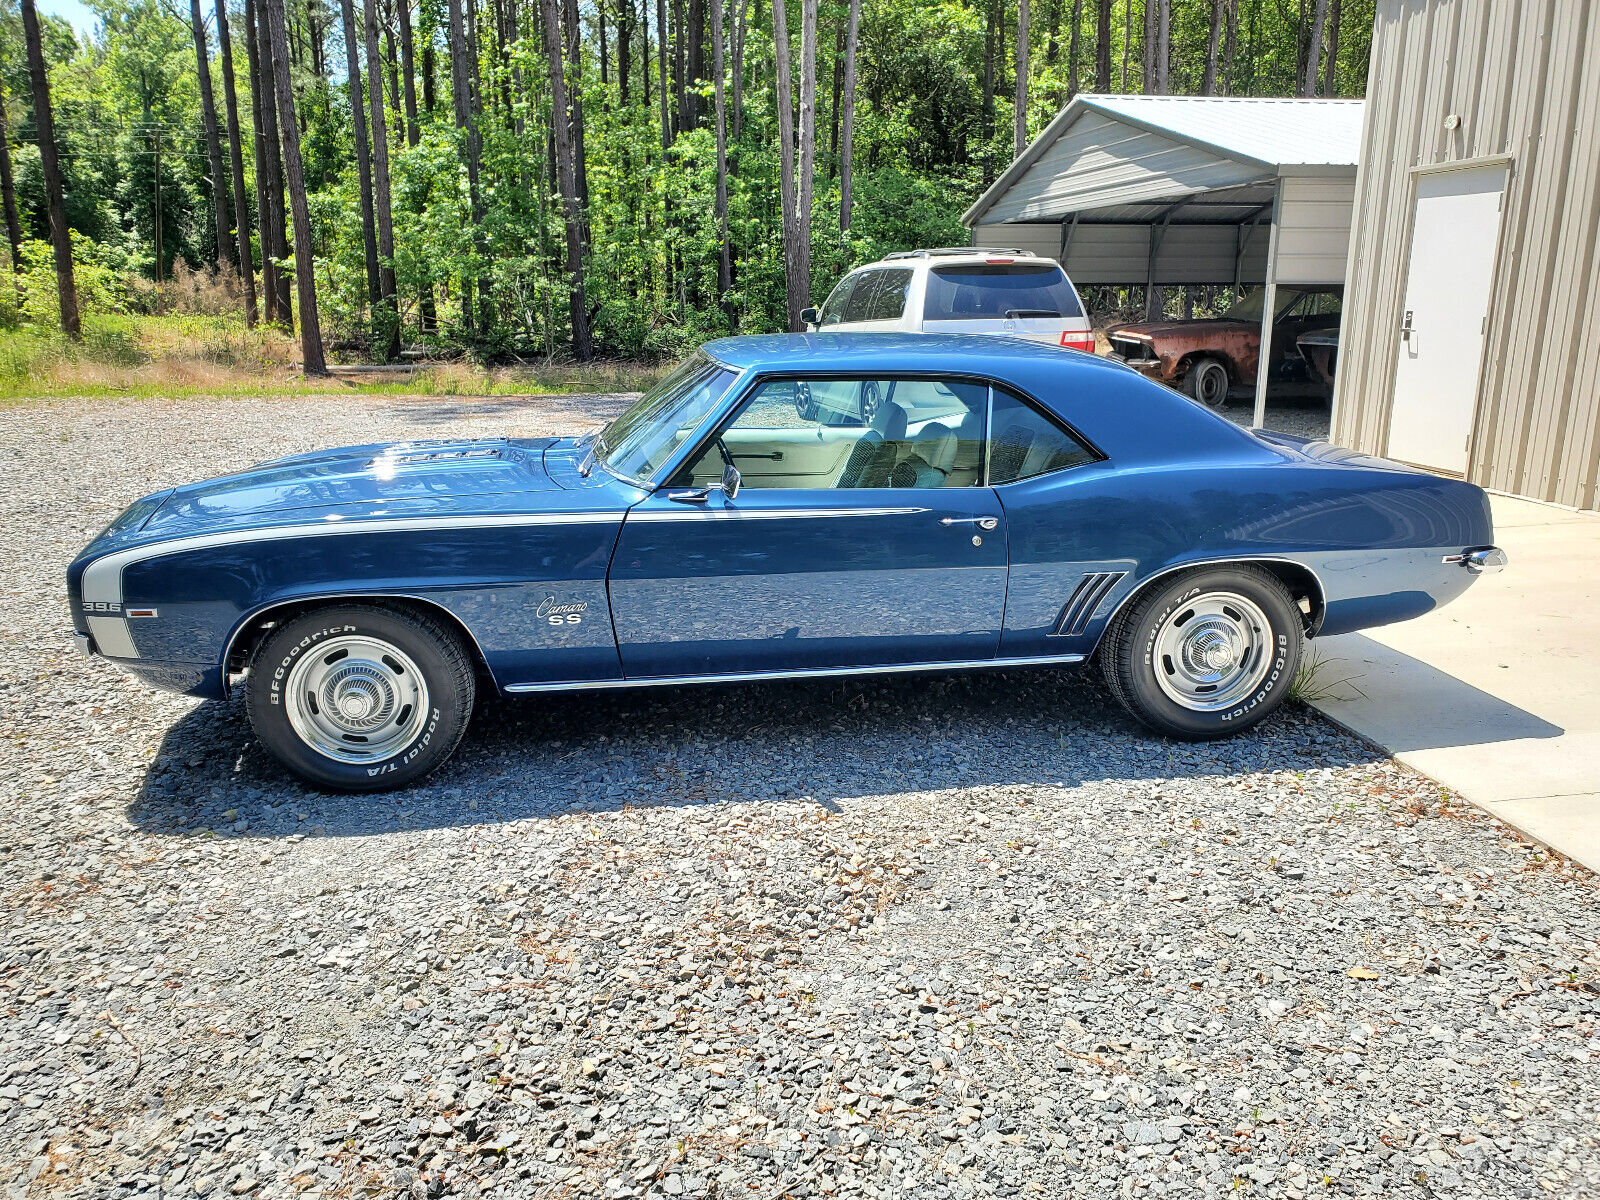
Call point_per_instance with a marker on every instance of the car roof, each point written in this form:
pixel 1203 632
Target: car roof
pixel 1126 415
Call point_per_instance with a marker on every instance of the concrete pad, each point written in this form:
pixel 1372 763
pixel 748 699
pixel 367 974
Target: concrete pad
pixel 1496 696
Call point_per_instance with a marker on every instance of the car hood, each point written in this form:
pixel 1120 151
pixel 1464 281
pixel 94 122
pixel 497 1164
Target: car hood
pixel 428 478
pixel 1154 329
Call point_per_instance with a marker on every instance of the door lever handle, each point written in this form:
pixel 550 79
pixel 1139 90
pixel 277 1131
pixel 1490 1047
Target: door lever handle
pixel 980 522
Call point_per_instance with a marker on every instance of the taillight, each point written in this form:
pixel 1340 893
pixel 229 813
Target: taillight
pixel 1074 340
pixel 999 261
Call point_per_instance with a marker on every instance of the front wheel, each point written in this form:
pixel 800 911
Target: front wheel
pixel 1208 382
pixel 361 698
pixel 1210 653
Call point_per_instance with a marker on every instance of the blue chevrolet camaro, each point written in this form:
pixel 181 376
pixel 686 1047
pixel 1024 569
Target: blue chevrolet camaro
pixel 777 506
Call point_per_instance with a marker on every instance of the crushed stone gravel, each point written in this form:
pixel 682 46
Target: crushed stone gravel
pixel 968 936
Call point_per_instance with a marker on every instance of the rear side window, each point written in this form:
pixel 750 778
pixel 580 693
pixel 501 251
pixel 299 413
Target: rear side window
pixel 1025 442
pixel 877 296
pixel 977 290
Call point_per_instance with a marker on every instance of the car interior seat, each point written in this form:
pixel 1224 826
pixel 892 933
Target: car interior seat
pixel 872 458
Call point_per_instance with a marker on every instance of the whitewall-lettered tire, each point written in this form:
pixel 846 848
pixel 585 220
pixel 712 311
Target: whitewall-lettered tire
pixel 1206 654
pixel 361 698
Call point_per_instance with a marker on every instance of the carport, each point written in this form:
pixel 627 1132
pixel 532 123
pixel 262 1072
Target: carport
pixel 1157 190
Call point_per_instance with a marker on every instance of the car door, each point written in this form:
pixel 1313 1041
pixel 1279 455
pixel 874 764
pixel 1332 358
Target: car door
pixel 891 552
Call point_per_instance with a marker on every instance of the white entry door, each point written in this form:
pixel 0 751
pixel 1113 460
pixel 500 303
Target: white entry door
pixel 1455 230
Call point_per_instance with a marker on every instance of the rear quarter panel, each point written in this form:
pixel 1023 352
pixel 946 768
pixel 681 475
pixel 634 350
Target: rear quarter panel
pixel 1372 537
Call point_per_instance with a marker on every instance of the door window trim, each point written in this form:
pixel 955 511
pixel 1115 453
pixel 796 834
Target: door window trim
pixel 750 381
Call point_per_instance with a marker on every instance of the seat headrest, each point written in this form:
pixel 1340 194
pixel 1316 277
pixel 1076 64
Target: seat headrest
pixel 890 421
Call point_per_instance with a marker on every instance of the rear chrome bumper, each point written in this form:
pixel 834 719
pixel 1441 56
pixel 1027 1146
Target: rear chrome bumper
pixel 1485 560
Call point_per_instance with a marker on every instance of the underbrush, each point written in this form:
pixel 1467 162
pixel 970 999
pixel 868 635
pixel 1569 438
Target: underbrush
pixel 197 354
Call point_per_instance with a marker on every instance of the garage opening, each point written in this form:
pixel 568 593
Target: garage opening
pixel 1207 236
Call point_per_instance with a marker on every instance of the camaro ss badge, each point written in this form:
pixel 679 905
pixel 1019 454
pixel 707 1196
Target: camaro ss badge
pixel 562 614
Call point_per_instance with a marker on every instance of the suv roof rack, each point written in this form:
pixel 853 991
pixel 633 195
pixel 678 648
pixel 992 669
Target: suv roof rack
pixel 940 251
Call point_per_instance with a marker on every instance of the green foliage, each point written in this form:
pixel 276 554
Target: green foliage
pixel 933 127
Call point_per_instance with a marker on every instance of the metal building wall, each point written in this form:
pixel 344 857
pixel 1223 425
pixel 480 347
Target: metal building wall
pixel 1524 78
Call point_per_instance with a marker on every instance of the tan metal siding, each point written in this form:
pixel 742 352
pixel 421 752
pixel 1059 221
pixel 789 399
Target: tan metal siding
pixel 1314 230
pixel 1043 239
pixel 1525 81
pixel 1120 254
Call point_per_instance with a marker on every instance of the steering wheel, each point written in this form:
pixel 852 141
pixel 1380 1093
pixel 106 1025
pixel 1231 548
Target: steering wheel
pixel 871 401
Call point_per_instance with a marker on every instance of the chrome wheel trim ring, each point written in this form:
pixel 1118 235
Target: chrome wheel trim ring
pixel 356 699
pixel 1212 651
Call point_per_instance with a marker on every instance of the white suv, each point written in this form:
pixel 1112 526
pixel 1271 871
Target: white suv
pixel 961 290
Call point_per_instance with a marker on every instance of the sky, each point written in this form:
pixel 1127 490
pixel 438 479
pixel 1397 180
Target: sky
pixel 73 10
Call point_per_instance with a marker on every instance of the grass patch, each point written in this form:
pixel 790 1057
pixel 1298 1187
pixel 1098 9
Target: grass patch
pixel 1315 682
pixel 170 357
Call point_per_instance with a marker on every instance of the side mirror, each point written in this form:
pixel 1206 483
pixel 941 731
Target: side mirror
pixel 730 481
pixel 810 317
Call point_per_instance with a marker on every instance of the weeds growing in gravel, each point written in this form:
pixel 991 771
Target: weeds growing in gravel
pixel 1313 683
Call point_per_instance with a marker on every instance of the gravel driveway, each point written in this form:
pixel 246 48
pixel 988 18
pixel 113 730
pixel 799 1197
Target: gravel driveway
pixel 963 936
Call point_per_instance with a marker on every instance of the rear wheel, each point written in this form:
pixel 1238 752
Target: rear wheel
pixel 1208 654
pixel 361 698
pixel 1208 382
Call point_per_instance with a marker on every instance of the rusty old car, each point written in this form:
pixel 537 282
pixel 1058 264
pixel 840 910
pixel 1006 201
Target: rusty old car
pixel 1208 357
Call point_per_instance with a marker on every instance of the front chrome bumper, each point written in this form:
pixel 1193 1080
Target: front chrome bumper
pixel 1485 560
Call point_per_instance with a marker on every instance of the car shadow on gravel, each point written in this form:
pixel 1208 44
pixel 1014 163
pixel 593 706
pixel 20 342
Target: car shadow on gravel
pixel 824 742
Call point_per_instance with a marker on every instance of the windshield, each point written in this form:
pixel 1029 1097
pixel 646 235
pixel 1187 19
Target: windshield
pixel 1249 309
pixel 642 438
pixel 978 290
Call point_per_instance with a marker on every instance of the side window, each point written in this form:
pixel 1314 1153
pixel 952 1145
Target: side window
pixel 832 311
pixel 852 433
pixel 1026 443
pixel 878 296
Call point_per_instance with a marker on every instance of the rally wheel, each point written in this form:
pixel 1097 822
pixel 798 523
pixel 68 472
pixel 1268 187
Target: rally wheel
pixel 361 698
pixel 1209 653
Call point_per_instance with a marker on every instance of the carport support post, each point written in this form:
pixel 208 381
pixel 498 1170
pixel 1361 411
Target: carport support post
pixel 1268 308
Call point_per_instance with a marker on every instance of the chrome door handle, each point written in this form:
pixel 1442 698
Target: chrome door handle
pixel 980 522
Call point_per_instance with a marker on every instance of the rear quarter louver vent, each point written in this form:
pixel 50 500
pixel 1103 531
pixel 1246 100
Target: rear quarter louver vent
pixel 1085 599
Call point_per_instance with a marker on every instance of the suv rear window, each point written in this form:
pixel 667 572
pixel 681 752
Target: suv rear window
pixel 978 290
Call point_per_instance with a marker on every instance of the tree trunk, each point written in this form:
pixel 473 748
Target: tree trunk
pixel 624 50
pixel 795 289
pixel 388 302
pixel 578 304
pixel 1319 22
pixel 696 59
pixel 408 70
pixel 241 206
pixel 808 139
pixel 1052 41
pixel 50 167
pixel 680 68
pixel 738 67
pixel 461 101
pixel 429 70
pixel 1019 114
pixel 269 270
pixel 305 278
pixel 1330 78
pixel 220 197
pixel 724 260
pixel 8 190
pixel 358 122
pixel 580 157
pixel 847 137
pixel 1208 86
pixel 1102 48
pixel 644 52
pixel 1164 48
pixel 1072 49
pixel 990 21
pixel 1147 48
pixel 661 70
pixel 392 61
pixel 276 217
